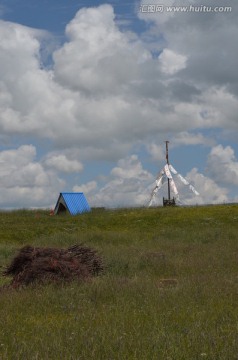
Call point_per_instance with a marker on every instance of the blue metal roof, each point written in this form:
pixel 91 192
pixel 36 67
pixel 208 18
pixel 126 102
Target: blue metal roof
pixel 76 202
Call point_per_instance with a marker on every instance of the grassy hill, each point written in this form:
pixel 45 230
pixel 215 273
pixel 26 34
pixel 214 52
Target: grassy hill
pixel 169 289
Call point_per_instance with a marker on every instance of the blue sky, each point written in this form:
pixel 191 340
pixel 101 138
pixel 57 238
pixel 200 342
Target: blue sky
pixel 89 92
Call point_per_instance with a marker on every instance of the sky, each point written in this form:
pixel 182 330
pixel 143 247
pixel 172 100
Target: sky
pixel 91 90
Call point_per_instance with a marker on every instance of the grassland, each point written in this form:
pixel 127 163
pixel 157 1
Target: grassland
pixel 131 311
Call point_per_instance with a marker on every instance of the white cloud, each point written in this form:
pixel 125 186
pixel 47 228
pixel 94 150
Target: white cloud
pixel 127 186
pixel 222 107
pixel 86 188
pixel 24 182
pixel 186 138
pixel 156 151
pixel 224 155
pixel 210 192
pixel 106 94
pixel 17 158
pixel 131 185
pixel 27 183
pixel 171 62
pixel 222 165
pixel 97 56
pixel 99 95
pixel 61 163
pixel 130 168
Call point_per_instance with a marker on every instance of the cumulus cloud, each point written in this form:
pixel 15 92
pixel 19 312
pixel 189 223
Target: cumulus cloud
pixel 97 56
pixel 171 62
pixel 186 138
pixel 156 151
pixel 131 185
pixel 107 93
pixel 127 185
pixel 86 188
pixel 130 167
pixel 104 88
pixel 24 182
pixel 61 163
pixel 209 191
pixel 222 165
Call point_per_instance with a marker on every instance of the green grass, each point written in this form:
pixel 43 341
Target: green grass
pixel 126 313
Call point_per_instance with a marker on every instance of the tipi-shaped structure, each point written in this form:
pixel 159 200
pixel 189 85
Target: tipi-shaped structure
pixel 72 203
pixel 165 175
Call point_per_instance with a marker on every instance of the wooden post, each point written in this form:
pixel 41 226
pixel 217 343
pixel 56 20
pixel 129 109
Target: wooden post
pixel 167 160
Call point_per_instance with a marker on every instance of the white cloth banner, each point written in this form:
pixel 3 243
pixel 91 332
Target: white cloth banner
pixel 169 176
pixel 184 181
pixel 156 189
pixel 159 183
pixel 191 187
pixel 167 172
pixel 173 170
pixel 161 179
pixel 173 186
pixel 164 179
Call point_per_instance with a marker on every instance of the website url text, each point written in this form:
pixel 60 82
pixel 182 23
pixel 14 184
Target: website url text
pixel 152 8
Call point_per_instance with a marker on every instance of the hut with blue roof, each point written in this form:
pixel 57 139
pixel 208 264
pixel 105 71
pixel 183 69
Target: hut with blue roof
pixel 73 203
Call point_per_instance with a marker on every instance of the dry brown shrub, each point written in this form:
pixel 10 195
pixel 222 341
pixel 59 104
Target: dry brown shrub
pixel 41 265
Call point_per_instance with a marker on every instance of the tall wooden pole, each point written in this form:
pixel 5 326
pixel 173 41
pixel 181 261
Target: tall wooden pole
pixel 167 160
